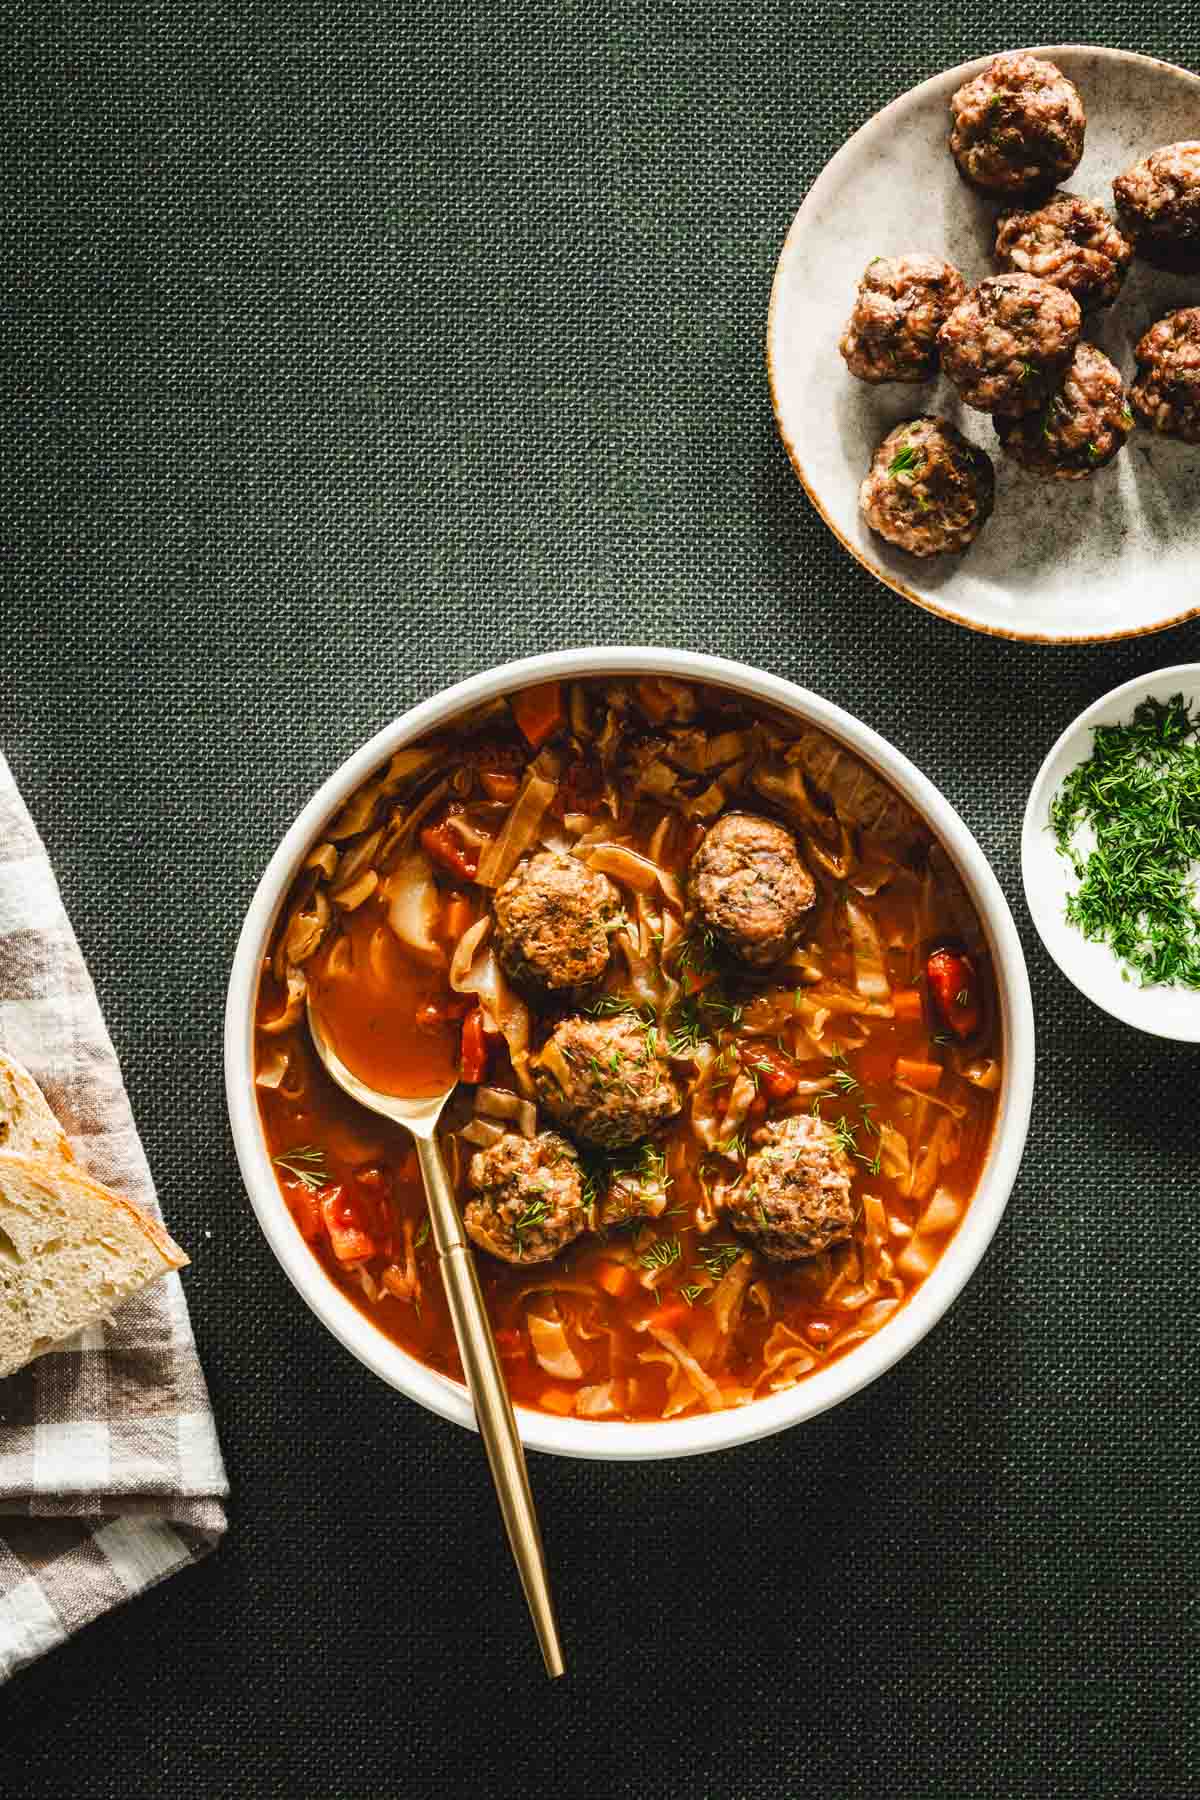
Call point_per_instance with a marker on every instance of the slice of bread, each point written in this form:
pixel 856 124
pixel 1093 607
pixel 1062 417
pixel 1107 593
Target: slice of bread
pixel 70 1250
pixel 27 1126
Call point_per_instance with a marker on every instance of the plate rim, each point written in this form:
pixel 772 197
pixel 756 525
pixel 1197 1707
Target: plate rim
pixel 1033 825
pixel 958 72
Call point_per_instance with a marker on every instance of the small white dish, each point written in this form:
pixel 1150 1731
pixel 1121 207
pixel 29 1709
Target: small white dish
pixel 1057 562
pixel 1049 878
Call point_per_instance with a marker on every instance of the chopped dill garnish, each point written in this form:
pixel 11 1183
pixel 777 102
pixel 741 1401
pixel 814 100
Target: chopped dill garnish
pixel 843 1131
pixel 719 1258
pixel 734 1146
pixel 905 460
pixel 1138 795
pixel 305 1165
pixel 422 1234
pixel 533 1214
pixel 845 1081
pixel 695 1293
pixel 610 1006
pixel 963 997
pixel 661 1254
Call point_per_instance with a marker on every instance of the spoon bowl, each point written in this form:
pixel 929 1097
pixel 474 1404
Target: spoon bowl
pixel 472 1328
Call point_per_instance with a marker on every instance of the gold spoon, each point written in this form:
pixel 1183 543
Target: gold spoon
pixel 472 1328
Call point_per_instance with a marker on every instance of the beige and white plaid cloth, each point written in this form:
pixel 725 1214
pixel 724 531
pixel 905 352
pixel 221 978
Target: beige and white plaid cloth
pixel 110 1471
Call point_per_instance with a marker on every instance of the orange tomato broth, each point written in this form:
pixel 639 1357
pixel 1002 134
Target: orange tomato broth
pixel 396 1022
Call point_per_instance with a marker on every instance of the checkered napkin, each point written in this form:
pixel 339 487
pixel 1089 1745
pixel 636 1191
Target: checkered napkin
pixel 110 1472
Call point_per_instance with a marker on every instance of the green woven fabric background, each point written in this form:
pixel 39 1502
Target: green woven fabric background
pixel 351 349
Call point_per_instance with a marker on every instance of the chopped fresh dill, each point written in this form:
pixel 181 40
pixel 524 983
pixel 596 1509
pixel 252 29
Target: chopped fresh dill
pixel 305 1165
pixel 661 1254
pixel 963 997
pixel 531 1215
pixel 843 1131
pixel 719 1258
pixel 610 1006
pixel 695 1293
pixel 422 1234
pixel 905 460
pixel 1138 798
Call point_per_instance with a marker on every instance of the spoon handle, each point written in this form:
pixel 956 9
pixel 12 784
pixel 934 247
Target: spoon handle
pixel 489 1395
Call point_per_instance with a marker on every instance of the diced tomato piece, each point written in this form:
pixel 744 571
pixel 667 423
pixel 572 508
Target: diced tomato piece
pixel 580 787
pixel 906 1005
pixel 442 846
pixel 670 1314
pixel 954 986
pixel 775 1073
pixel 558 1400
pixel 347 1239
pixel 818 1332
pixel 474 1060
pixel 306 1210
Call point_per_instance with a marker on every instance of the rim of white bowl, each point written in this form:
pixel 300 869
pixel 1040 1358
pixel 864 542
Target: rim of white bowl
pixel 600 1440
pixel 1169 1013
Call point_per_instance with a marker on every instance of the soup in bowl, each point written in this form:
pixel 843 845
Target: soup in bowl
pixel 739 1025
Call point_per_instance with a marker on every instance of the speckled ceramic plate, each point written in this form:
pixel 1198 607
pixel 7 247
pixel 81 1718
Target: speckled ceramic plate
pixel 1111 557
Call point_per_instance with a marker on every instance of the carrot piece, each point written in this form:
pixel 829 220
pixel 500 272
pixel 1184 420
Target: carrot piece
pixel 906 1004
pixel 775 1072
pixel 670 1314
pixel 498 784
pixel 923 1075
pixel 616 1279
pixel 557 1400
pixel 458 917
pixel 539 712
pixel 473 1063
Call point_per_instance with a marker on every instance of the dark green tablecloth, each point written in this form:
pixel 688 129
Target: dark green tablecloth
pixel 353 348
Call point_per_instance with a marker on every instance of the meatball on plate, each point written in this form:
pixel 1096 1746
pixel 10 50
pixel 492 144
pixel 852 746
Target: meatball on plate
pixel 1069 241
pixel 902 304
pixel 1029 217
pixel 1017 127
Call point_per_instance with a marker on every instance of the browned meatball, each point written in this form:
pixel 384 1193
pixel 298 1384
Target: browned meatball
pixel 605 1080
pixel 529 1202
pixel 554 919
pixel 1081 427
pixel 1166 394
pixel 902 303
pixel 928 490
pixel 1006 345
pixel 1069 242
pixel 748 885
pixel 1018 127
pixel 794 1198
pixel 1159 203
